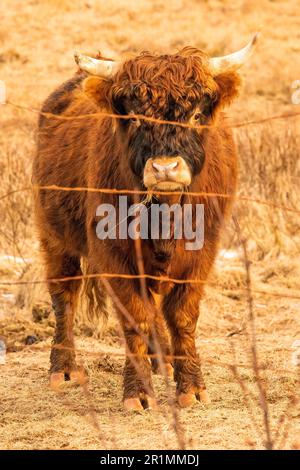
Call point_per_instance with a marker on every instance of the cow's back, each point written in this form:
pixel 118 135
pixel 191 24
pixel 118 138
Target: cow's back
pixel 61 160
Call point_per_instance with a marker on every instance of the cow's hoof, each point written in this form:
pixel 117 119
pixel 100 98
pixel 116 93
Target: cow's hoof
pixel 60 379
pixel 186 399
pixel 79 377
pixel 57 380
pixel 139 404
pixel 133 404
pixel 190 398
pixel 204 397
pixel 149 403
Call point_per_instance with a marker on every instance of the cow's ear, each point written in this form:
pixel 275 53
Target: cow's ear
pixel 228 87
pixel 97 90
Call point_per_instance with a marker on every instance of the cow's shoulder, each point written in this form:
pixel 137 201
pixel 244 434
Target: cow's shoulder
pixel 61 98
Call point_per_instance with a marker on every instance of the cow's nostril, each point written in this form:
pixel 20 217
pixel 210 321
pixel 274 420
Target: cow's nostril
pixel 157 167
pixel 164 168
pixel 171 166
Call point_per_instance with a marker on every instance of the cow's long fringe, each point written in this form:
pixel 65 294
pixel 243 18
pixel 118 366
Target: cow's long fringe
pixel 95 304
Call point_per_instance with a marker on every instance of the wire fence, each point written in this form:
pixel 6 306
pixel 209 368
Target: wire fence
pixel 275 117
pixel 261 425
pixel 158 193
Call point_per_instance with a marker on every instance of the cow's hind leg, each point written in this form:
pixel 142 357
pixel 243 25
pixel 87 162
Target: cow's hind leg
pixel 64 298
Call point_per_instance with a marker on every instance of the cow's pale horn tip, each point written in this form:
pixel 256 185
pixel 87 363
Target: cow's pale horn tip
pixel 76 56
pixel 255 38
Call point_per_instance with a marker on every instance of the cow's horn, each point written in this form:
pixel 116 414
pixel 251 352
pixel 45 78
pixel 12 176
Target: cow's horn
pixel 101 68
pixel 233 61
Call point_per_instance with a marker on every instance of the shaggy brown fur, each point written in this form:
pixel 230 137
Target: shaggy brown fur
pixel 104 152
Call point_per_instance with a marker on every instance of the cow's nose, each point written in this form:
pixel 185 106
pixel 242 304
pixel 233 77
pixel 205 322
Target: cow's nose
pixel 164 170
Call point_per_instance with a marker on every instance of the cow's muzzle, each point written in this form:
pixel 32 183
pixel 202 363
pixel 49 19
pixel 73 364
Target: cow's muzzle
pixel 166 173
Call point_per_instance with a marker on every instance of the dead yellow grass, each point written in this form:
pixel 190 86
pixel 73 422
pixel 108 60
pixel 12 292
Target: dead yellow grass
pixel 36 47
pixel 34 417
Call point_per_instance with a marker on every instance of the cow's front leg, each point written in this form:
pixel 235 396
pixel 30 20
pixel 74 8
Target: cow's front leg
pixel 181 309
pixel 138 389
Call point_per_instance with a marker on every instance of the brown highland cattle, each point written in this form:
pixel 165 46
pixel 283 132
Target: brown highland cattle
pixel 99 151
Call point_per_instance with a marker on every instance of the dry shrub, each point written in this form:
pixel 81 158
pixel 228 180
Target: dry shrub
pixel 16 229
pixel 270 171
pixel 34 301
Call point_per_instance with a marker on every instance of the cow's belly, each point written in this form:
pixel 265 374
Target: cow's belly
pixel 64 215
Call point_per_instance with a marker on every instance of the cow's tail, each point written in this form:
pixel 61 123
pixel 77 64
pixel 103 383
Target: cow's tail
pixel 95 302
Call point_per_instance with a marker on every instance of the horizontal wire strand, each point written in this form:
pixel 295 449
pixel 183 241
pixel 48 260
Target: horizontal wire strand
pixel 274 117
pixel 55 187
pixel 143 276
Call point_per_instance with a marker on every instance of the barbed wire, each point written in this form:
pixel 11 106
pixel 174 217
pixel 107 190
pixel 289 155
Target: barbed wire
pixel 182 357
pixel 142 117
pixel 145 276
pixel 154 192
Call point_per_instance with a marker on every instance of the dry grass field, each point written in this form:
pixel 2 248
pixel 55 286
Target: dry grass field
pixel 37 40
